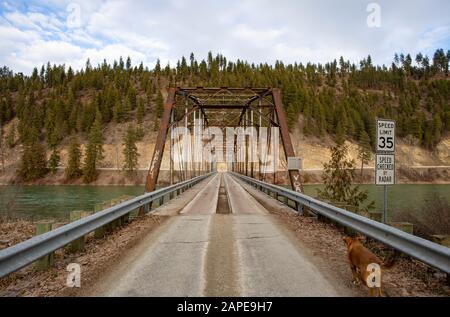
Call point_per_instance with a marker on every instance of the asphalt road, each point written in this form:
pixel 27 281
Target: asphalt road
pixel 240 251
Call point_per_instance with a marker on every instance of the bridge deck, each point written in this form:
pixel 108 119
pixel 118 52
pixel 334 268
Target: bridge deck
pixel 222 243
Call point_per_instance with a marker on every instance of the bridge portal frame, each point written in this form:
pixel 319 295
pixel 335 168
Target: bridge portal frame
pixel 270 108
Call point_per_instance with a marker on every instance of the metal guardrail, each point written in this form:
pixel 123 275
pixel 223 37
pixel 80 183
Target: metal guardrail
pixel 425 251
pixel 27 252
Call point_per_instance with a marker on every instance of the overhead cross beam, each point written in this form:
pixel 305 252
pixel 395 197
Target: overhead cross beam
pixel 185 102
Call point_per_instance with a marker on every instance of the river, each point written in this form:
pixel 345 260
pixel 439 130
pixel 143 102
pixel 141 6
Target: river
pixel 56 202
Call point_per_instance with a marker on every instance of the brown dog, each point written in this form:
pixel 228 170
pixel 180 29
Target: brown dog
pixel 362 261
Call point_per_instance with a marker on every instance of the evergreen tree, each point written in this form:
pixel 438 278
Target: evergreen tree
pixel 140 113
pixel 340 133
pixel 11 137
pixel 94 151
pixel 54 160
pixel 130 152
pixel 2 148
pixel 338 177
pixel 33 164
pixel 128 63
pixel 364 150
pixel 159 108
pixel 132 97
pixel 437 127
pixel 119 112
pixel 291 116
pixel 73 169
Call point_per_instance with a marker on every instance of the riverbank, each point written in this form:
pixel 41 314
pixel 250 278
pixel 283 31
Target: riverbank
pixel 112 177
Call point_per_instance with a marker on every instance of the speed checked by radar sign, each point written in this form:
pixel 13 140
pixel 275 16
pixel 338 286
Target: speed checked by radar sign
pixel 385 169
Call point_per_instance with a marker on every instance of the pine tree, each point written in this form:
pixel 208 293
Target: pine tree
pixel 159 108
pixel 118 112
pixel 73 169
pixel 11 137
pixel 54 160
pixel 132 97
pixel 94 151
pixel 140 113
pixel 437 127
pixel 2 148
pixel 34 163
pixel 338 177
pixel 340 133
pixel 291 116
pixel 130 152
pixel 364 150
pixel 128 63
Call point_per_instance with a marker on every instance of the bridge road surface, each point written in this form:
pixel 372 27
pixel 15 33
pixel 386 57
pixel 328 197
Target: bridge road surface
pixel 203 253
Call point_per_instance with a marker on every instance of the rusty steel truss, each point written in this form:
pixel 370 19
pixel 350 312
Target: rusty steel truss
pixel 223 107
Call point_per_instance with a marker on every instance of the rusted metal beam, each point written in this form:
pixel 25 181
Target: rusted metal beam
pixel 198 103
pixel 173 123
pixel 215 89
pixel 241 117
pixel 295 178
pixel 153 172
pixel 228 106
pixel 262 115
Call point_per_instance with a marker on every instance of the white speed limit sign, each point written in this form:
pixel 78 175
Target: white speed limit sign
pixel 385 136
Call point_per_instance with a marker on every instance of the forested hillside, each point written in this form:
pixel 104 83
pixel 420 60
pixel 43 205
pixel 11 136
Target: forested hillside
pixel 339 99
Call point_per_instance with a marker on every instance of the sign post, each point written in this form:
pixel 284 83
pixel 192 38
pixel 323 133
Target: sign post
pixel 385 158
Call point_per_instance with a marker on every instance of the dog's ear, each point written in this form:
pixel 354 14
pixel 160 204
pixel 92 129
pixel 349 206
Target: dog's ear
pixel 347 240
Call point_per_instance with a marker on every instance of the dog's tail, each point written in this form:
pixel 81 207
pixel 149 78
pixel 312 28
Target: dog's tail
pixel 390 263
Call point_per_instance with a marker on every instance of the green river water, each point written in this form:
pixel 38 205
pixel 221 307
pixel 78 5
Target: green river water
pixel 55 202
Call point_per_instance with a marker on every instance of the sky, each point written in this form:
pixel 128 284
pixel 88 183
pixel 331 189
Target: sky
pixel 69 32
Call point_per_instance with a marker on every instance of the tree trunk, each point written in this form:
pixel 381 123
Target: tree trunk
pixel 362 169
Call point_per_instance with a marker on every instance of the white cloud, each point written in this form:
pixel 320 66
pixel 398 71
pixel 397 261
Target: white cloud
pixel 245 32
pixel 436 36
pixel 256 30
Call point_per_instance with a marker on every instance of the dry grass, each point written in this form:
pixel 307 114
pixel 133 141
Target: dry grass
pixel 432 219
pixel 14 231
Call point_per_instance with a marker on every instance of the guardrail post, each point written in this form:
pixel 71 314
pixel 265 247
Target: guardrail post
pixel 125 218
pixel 300 208
pixel 76 245
pixel 445 241
pixel 442 240
pixel 376 215
pixel 404 226
pixel 48 260
pixel 100 232
pixel 118 222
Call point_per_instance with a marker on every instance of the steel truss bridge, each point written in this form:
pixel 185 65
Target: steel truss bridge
pixel 265 260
